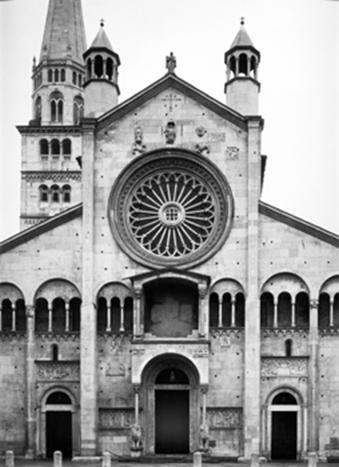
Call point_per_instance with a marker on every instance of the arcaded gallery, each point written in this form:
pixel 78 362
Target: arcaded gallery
pixel 152 304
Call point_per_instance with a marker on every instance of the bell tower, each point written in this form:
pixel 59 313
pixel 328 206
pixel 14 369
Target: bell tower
pixel 242 86
pixel 101 85
pixel 51 142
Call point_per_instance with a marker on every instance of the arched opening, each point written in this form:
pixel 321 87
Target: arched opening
pixel 324 311
pixel 55 353
pixel 59 424
pixel 44 149
pixel 266 310
pixel 115 314
pixel 128 315
pixel 74 78
pixel 171 307
pixel 284 410
pixel 336 310
pixel 37 108
pixel 284 310
pixel 63 75
pixel 20 315
pixel 239 310
pixel 57 106
pixel 253 67
pixel 89 68
pixel 214 309
pixel 66 194
pixel 56 75
pixel 43 193
pixel 66 147
pixel 288 347
pixel 41 315
pixel 98 66
pixel 55 147
pixel 109 68
pixel 6 316
pixel 233 66
pixel 74 314
pixel 58 315
pixel 78 109
pixel 55 192
pixel 302 310
pixel 243 65
pixel 226 310
pixel 50 76
pixel 102 314
pixel 170 383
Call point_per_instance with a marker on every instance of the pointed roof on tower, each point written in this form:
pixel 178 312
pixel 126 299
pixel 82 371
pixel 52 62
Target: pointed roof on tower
pixel 64 35
pixel 242 40
pixel 101 39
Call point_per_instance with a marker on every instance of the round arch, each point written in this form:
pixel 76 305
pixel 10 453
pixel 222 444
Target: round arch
pixel 183 400
pixel 290 417
pixel 10 291
pixel 57 287
pixel 285 282
pixel 59 425
pixel 227 284
pixel 330 286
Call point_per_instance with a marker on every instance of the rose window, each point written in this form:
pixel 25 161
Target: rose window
pixel 170 209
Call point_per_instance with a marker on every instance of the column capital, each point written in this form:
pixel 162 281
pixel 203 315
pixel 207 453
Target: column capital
pixel 30 309
pixel 204 388
pixel 202 288
pixel 136 388
pixel 138 292
pixel 314 303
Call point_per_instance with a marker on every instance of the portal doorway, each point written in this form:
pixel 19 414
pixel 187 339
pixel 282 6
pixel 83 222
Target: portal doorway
pixel 59 433
pixel 284 427
pixel 170 399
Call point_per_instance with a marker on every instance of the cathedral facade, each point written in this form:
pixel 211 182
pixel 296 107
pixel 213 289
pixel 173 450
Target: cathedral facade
pixel 152 303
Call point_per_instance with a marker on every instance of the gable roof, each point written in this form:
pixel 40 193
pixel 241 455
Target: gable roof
pixel 299 224
pixel 41 228
pixel 170 80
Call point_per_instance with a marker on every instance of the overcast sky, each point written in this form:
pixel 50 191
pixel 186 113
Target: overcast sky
pixel 299 75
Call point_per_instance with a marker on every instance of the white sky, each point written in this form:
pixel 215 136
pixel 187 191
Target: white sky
pixel 299 74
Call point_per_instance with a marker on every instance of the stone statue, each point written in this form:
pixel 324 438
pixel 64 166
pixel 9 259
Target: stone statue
pixel 138 146
pixel 136 436
pixel 171 63
pixel 204 437
pixel 170 132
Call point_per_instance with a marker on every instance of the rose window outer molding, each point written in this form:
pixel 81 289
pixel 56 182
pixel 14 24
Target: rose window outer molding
pixel 170 208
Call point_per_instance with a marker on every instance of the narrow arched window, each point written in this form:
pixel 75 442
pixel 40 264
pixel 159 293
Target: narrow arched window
pixel 324 311
pixel 56 76
pixel 66 194
pixel 128 315
pixel 89 68
pixel 288 347
pixel 98 66
pixel 302 310
pixel 41 315
pixel 214 308
pixel 115 314
pixel 37 108
pixel 55 147
pixel 58 315
pixel 243 66
pixel 79 80
pixel 109 68
pixel 63 74
pixel 44 149
pixel 57 107
pixel 240 310
pixel 78 109
pixel 55 353
pixel 43 193
pixel 50 76
pixel 102 314
pixel 266 310
pixel 284 310
pixel 74 78
pixel 253 67
pixel 55 192
pixel 233 65
pixel 74 314
pixel 7 317
pixel 66 147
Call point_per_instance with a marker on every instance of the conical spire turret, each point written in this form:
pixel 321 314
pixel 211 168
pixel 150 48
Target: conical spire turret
pixel 242 86
pixel 64 35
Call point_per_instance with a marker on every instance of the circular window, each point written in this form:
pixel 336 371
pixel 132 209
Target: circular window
pixel 170 208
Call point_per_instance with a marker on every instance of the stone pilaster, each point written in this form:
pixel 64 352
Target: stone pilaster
pixel 203 311
pixel 252 321
pixel 88 335
pixel 313 406
pixel 30 383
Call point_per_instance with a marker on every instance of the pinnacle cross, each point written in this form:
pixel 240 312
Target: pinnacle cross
pixel 242 21
pixel 171 63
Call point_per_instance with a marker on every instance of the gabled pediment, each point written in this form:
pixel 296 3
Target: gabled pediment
pixel 171 81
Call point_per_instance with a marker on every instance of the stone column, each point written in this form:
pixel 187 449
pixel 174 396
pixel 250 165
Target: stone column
pixel 233 313
pixel 137 312
pixel 203 311
pixel 313 409
pixel 219 311
pixel 293 315
pixel 50 318
pixel 331 312
pixel 13 318
pixel 67 316
pixel 88 331
pixel 136 404
pixel 108 318
pixel 122 316
pixel 275 312
pixel 252 313
pixel 30 383
pixel 204 404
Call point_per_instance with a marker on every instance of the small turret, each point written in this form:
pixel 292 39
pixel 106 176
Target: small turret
pixel 101 85
pixel 242 86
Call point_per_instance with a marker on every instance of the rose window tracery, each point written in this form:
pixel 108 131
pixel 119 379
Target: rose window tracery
pixel 170 208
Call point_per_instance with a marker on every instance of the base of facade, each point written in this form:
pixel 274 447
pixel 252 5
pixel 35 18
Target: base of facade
pixel 84 459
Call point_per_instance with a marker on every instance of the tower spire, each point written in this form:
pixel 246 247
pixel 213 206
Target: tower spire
pixel 64 35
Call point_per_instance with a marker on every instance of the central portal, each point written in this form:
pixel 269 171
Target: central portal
pixel 171 421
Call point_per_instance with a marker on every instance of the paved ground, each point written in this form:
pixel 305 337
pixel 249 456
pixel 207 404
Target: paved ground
pixel 26 463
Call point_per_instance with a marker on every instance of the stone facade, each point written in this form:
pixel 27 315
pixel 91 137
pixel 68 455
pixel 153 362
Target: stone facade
pixel 165 274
